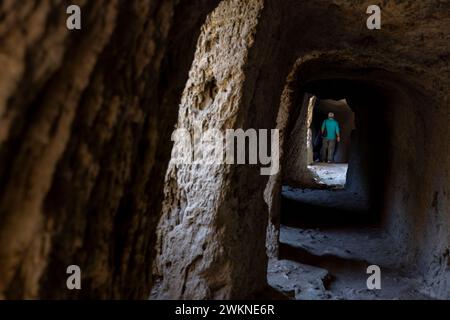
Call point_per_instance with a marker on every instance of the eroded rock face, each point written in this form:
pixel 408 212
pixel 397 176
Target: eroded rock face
pixel 200 236
pixel 86 118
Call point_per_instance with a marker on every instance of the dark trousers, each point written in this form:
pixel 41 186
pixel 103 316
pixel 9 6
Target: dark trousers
pixel 328 146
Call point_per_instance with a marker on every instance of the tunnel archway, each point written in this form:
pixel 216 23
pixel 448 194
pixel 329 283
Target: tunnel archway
pixel 374 98
pixel 233 223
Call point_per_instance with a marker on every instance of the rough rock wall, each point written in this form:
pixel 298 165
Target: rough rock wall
pixel 295 169
pixel 85 124
pixel 201 251
pixel 299 147
pixel 272 192
pixel 417 187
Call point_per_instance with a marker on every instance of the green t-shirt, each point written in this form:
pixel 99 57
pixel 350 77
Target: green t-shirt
pixel 331 128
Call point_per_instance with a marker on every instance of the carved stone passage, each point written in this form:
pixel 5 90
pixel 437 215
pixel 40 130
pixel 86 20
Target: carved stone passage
pixel 86 117
pixel 88 178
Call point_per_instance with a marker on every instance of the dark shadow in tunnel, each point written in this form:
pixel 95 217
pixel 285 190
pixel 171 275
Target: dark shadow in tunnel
pixel 309 216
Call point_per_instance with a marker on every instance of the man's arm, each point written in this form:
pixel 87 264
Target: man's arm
pixel 323 127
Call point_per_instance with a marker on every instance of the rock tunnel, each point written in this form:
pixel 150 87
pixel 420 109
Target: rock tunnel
pixel 87 170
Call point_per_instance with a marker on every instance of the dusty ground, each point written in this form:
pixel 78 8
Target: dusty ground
pixel 329 174
pixel 332 264
pixel 323 261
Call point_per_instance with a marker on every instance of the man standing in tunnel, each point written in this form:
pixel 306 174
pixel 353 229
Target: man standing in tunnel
pixel 330 134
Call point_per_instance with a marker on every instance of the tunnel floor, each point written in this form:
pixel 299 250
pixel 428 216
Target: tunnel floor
pixel 331 175
pixel 321 258
pixel 320 200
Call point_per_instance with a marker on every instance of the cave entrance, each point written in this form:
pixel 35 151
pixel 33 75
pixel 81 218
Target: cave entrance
pixel 328 166
pixel 314 182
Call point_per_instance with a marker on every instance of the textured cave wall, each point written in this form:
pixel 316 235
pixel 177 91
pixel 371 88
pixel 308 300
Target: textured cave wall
pixel 85 131
pixel 299 146
pixel 297 155
pixel 412 196
pixel 86 118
